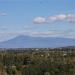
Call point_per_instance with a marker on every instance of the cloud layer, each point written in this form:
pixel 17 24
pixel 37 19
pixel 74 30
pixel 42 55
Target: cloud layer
pixel 55 18
pixel 53 33
pixel 3 14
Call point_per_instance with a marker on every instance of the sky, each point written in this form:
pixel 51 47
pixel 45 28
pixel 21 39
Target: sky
pixel 37 18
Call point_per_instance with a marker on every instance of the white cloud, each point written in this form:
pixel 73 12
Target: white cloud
pixel 46 33
pixel 59 17
pixel 56 18
pixel 39 20
pixel 62 17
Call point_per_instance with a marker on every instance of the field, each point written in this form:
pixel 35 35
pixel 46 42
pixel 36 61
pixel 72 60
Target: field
pixel 34 61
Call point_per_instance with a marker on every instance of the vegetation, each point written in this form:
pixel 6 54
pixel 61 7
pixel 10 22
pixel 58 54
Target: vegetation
pixel 59 61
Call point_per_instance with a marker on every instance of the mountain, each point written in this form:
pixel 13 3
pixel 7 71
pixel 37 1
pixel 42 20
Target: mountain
pixel 37 42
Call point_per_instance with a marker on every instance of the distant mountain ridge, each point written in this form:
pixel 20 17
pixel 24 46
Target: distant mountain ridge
pixel 37 42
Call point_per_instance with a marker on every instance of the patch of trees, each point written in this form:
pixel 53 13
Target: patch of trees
pixel 40 62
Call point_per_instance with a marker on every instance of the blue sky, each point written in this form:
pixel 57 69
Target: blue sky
pixel 44 18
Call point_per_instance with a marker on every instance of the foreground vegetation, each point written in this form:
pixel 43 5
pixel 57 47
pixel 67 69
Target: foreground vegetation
pixel 59 61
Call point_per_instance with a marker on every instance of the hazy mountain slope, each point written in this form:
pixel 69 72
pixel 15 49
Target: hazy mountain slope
pixel 37 42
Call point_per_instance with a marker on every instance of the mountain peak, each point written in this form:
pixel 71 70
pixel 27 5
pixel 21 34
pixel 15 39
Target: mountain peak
pixel 23 41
